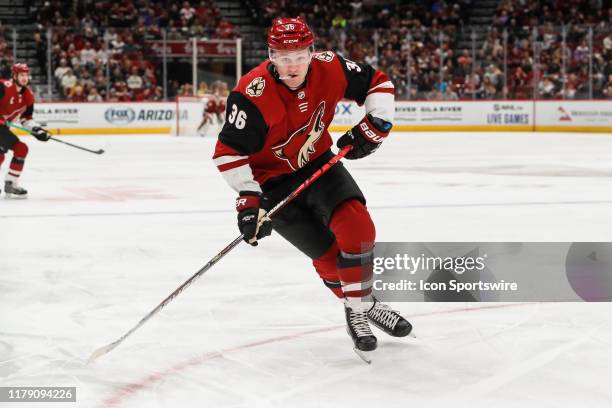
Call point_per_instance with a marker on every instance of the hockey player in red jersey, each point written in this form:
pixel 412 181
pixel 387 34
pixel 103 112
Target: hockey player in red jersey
pixel 275 136
pixel 214 112
pixel 17 103
pixel 209 116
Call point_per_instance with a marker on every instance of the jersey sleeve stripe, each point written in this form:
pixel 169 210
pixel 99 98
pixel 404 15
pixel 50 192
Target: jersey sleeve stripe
pixel 228 159
pixel 382 90
pixel 232 165
pixel 385 85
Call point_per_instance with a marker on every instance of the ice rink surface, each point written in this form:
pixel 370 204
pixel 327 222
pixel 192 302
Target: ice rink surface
pixel 103 239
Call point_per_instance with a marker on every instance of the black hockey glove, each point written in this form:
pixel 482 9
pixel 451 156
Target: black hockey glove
pixel 40 134
pixel 253 222
pixel 365 137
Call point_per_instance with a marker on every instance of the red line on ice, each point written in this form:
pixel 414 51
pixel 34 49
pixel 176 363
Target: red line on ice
pixel 125 392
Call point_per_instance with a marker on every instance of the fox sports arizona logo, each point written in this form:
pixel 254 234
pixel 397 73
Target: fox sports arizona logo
pixel 119 116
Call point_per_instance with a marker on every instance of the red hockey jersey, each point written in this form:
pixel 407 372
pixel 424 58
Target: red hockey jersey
pixel 15 104
pixel 211 106
pixel 272 130
pixel 215 105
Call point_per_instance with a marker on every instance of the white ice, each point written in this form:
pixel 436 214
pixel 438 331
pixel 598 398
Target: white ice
pixel 103 239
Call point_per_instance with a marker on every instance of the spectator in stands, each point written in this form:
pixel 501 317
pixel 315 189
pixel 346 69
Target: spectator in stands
pixel 88 23
pixel 187 12
pixel 117 44
pixel 494 74
pixel 68 81
pixel 121 92
pixel 40 46
pixel 607 44
pixel 464 64
pixel 452 92
pixel 149 78
pixel 61 70
pixel 571 87
pixel 186 90
pixel 4 48
pixel 88 56
pixel 581 53
pixel 435 95
pixel 86 80
pixel 174 34
pixel 520 78
pixel 76 94
pixel 608 91
pixel 135 82
pixel 5 67
pixel 225 30
pixel 100 79
pixel 173 88
pixel 202 88
pixel 371 58
pixel 608 69
pixel 489 89
pixel 156 94
pixel 102 54
pixel 546 88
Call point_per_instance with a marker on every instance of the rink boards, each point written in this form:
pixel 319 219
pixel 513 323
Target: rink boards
pixel 119 118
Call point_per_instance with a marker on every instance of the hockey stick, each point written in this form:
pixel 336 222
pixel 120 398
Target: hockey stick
pixel 109 347
pixel 99 151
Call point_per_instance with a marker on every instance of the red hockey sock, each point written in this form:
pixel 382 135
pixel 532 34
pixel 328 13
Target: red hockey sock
pixel 1 159
pixel 325 266
pixel 355 234
pixel 20 151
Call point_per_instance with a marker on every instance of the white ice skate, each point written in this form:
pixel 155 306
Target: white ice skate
pixel 12 190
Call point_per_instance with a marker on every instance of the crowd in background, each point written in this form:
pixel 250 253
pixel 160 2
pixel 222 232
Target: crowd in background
pixel 92 35
pixel 561 72
pixel 424 46
pixel 6 54
pixel 424 39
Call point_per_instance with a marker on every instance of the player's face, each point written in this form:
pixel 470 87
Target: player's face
pixel 23 78
pixel 292 66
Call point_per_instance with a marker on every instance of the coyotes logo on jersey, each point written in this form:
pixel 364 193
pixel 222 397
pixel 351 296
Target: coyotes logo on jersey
pixel 326 56
pixel 256 87
pixel 300 145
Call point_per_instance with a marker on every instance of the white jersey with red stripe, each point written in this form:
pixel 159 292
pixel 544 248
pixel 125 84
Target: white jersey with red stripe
pixel 271 130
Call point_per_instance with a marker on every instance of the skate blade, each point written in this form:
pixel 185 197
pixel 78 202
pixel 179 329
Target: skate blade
pixel 9 196
pixel 362 355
